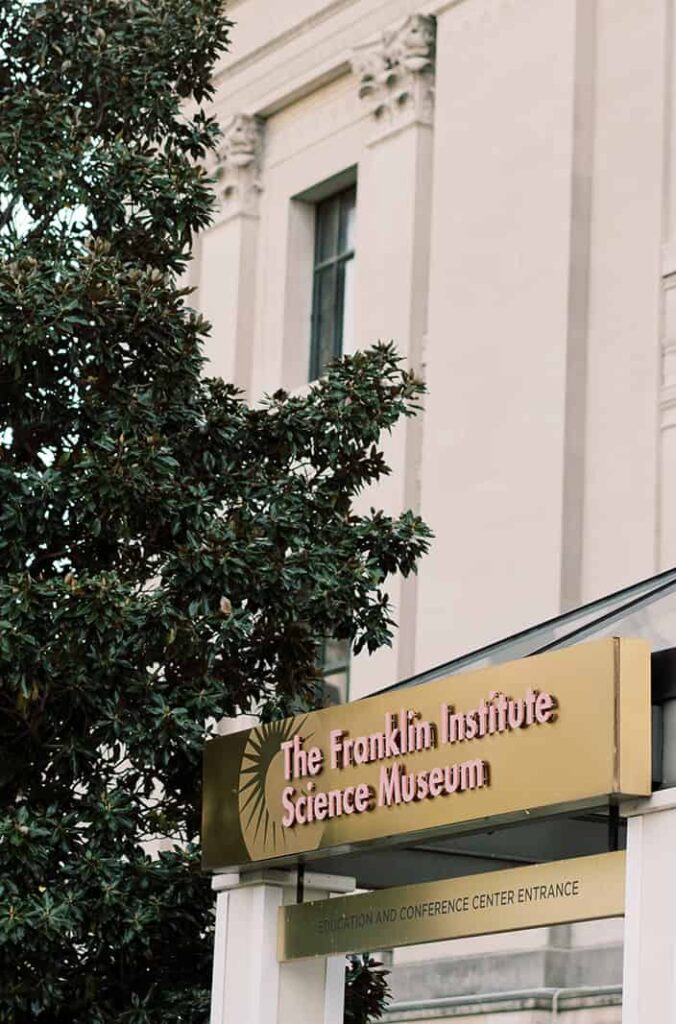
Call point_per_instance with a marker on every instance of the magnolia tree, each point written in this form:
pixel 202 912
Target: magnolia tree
pixel 169 555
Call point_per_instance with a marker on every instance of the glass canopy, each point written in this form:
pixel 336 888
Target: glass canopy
pixel 646 609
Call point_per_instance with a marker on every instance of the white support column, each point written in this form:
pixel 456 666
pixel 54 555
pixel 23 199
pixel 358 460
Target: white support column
pixel 220 946
pixel 249 984
pixel 650 911
pixel 246 972
pixel 334 990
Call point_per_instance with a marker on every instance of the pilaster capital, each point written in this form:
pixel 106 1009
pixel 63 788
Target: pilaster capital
pixel 239 166
pixel 396 73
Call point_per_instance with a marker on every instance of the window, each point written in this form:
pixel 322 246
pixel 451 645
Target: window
pixel 333 280
pixel 335 666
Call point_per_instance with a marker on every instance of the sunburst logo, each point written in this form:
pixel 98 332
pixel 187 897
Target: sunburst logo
pixel 260 791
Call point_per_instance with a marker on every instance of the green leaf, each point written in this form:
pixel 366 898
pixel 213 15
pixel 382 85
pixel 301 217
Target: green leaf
pixel 169 555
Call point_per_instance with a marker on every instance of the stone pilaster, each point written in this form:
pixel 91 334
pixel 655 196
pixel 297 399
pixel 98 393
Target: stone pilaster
pixel 395 80
pixel 239 169
pixel 229 251
pixel 667 413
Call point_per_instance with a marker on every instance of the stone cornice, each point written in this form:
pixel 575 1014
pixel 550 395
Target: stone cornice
pixel 302 56
pixel 231 65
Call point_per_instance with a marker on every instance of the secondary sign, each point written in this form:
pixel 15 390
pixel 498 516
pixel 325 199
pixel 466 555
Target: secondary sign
pixel 556 731
pixel 497 901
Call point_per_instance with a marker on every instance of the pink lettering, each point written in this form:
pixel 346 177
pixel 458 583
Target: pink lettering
pixel 545 708
pixel 530 706
pixel 315 761
pixel 289 806
pixel 362 798
pixel 336 740
pixel 287 748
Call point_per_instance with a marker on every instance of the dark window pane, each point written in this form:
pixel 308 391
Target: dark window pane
pixel 336 687
pixel 324 326
pixel 333 280
pixel 328 227
pixel 336 655
pixel 335 667
pixel 347 327
pixel 346 226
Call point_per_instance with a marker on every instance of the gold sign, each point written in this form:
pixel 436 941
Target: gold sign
pixel 555 731
pixel 497 901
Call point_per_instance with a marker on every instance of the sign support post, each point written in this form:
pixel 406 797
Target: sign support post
pixel 650 911
pixel 249 984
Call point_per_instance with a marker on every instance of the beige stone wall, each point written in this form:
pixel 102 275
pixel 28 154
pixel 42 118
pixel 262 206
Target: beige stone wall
pixel 516 236
pixel 517 241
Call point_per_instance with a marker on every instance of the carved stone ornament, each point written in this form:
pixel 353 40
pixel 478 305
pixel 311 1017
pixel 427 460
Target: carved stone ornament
pixel 240 165
pixel 396 73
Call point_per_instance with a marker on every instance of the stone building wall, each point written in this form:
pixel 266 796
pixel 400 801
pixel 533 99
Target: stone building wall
pixel 516 237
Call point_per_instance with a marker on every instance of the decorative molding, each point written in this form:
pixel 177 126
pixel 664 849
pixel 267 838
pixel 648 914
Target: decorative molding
pixel 396 74
pixel 667 393
pixel 309 52
pixel 667 399
pixel 239 166
pixel 298 30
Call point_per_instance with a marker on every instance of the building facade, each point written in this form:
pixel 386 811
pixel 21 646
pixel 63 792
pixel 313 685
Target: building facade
pixel 492 185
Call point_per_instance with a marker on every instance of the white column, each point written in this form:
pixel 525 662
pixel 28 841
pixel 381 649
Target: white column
pixel 245 983
pixel 228 254
pixel 334 990
pixel 396 84
pixel 667 408
pixel 507 232
pixel 627 226
pixel 249 984
pixel 650 911
pixel 667 403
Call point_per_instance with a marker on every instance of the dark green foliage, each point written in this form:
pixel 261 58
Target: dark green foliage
pixel 168 555
pixel 366 990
